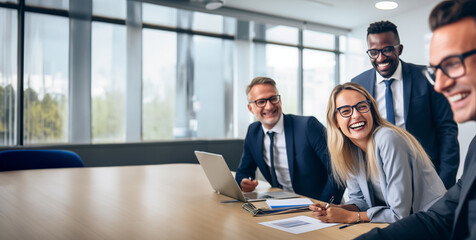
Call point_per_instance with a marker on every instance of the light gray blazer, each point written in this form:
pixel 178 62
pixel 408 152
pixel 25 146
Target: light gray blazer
pixel 407 184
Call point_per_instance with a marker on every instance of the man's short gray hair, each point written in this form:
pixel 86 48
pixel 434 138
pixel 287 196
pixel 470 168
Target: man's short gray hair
pixel 260 80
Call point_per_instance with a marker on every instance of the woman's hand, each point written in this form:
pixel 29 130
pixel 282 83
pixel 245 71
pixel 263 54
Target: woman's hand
pixel 334 214
pixel 318 209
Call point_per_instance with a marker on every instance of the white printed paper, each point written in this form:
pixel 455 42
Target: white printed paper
pixel 297 225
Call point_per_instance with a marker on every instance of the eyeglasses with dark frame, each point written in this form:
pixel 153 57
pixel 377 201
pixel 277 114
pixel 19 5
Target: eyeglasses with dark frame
pixel 386 51
pixel 452 66
pixel 347 111
pixel 262 101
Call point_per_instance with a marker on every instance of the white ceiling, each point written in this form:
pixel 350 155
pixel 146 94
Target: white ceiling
pixel 340 13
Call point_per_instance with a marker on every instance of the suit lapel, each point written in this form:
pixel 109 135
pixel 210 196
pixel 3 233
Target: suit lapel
pixel 288 134
pixel 407 88
pixel 370 85
pixel 467 184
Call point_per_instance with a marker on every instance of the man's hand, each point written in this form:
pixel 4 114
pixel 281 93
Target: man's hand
pixel 248 185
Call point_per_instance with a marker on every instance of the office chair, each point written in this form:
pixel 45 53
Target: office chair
pixel 38 159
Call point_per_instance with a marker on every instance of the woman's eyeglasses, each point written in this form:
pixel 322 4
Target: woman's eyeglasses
pixel 347 111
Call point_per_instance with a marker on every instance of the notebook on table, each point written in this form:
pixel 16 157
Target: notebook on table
pixel 221 179
pixel 263 209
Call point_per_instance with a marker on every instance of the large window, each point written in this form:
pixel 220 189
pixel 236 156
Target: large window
pixel 275 58
pixel 8 76
pixel 319 77
pixel 110 8
pixel 319 40
pixel 282 66
pixel 159 78
pixel 160 15
pixel 46 79
pixel 145 72
pixel 277 33
pixel 108 82
pixel 207 23
pixel 55 4
pixel 212 82
pixel 353 62
pixel 320 56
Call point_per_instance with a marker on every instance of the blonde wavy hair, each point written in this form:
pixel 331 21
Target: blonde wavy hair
pixel 343 160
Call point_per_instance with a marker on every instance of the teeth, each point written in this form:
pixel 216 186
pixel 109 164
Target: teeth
pixel 457 97
pixel 269 113
pixel 357 125
pixel 383 64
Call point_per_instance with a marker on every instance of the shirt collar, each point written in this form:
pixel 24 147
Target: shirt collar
pixel 278 128
pixel 397 75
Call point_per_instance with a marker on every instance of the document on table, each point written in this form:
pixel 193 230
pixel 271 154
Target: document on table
pixel 288 203
pixel 297 225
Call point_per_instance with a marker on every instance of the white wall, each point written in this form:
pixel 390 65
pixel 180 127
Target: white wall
pixel 415 35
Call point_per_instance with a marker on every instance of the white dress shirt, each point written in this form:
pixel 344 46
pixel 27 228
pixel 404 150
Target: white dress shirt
pixel 280 154
pixel 397 91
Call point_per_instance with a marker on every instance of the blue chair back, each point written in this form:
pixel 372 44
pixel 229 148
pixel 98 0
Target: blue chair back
pixel 38 159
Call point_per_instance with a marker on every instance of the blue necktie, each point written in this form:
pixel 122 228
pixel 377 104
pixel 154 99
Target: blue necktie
pixel 389 101
pixel 274 179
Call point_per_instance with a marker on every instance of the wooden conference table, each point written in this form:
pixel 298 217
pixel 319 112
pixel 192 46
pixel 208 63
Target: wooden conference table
pixel 173 201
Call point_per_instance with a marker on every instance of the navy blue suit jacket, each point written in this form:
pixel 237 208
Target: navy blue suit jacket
pixel 451 217
pixel 307 153
pixel 428 117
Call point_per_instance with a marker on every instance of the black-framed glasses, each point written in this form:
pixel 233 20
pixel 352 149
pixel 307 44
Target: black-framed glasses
pixel 452 66
pixel 386 51
pixel 262 101
pixel 347 111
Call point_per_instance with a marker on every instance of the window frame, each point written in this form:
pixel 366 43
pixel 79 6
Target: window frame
pixel 80 92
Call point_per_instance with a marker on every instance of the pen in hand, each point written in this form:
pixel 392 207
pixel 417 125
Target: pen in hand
pixel 330 201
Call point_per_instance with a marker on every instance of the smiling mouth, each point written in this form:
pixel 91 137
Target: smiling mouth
pixel 383 65
pixel 270 113
pixel 357 125
pixel 458 97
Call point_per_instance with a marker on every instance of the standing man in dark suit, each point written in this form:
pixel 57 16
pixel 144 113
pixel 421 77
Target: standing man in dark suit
pixel 453 69
pixel 290 151
pixel 406 99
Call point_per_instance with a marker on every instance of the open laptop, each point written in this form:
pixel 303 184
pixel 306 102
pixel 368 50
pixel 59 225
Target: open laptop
pixel 223 182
